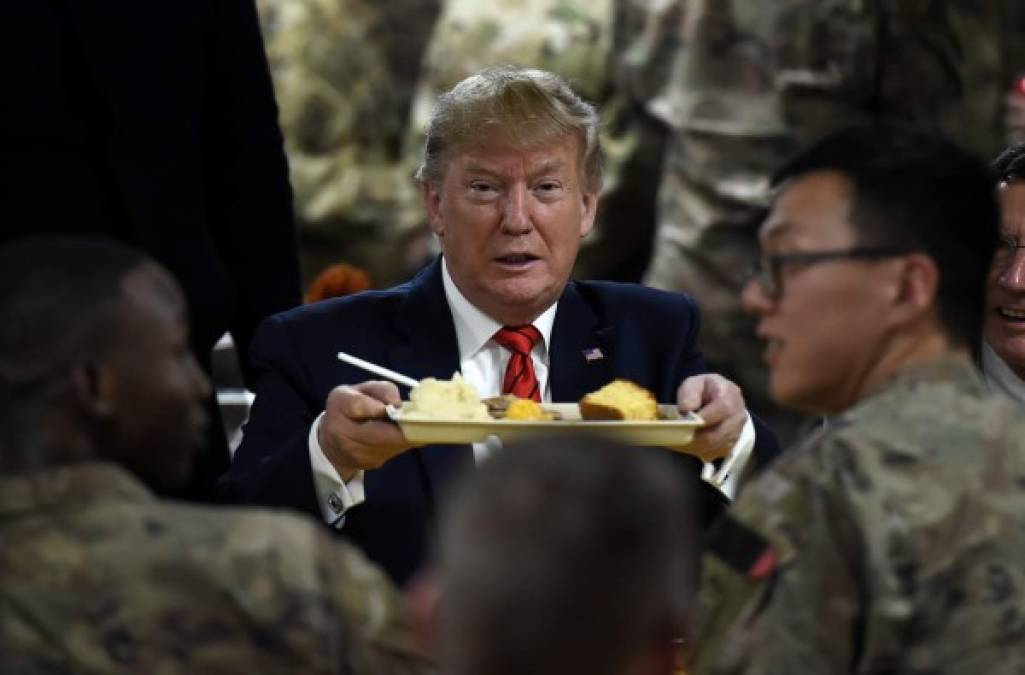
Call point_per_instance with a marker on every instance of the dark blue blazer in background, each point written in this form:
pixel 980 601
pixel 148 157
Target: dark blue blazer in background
pixel 645 335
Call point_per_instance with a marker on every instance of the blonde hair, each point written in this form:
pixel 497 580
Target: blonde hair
pixel 523 107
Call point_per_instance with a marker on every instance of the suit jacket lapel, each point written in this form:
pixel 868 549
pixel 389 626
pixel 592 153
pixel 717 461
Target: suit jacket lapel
pixel 582 349
pixel 427 347
pixel 426 344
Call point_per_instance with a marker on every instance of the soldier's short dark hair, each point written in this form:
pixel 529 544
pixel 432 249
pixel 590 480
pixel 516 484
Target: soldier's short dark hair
pixel 55 293
pixel 917 191
pixel 565 556
pixel 1009 166
pixel 524 107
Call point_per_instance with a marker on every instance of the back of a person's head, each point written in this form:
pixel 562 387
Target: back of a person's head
pixel 916 191
pixel 565 556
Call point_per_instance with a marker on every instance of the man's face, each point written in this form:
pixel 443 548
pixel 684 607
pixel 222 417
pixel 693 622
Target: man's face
pixel 158 390
pixel 823 333
pixel 1004 325
pixel 510 223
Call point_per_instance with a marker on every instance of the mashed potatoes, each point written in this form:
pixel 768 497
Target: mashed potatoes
pixel 445 399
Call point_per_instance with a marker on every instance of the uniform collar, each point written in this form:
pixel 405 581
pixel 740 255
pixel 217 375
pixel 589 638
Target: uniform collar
pixel 69 487
pixel 956 371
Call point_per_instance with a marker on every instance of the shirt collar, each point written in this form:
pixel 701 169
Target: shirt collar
pixel 474 328
pixel 1000 376
pixel 69 487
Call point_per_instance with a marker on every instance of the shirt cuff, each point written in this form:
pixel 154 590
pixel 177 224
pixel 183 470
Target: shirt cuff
pixel 334 495
pixel 728 475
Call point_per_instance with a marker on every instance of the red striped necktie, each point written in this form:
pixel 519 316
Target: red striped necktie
pixel 520 379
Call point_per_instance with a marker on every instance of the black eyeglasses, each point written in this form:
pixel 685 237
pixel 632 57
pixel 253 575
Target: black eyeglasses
pixel 1007 248
pixel 767 270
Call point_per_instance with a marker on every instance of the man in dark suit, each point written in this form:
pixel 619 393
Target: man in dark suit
pixel 510 181
pixel 154 125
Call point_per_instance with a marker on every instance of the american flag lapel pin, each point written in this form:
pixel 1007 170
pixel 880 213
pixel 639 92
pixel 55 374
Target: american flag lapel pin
pixel 593 354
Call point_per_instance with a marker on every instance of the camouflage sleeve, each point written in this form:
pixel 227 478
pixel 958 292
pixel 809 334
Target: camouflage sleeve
pixel 750 82
pixel 380 638
pixel 647 39
pixel 343 110
pixel 780 590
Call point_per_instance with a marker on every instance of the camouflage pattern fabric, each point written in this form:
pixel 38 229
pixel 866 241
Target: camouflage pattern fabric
pixel 344 72
pixel 890 542
pixel 568 37
pixel 750 82
pixel 580 41
pixel 98 576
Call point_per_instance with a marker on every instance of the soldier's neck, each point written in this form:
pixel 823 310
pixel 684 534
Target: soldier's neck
pixel 34 447
pixel 908 350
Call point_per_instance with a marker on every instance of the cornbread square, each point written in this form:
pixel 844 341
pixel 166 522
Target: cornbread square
pixel 619 400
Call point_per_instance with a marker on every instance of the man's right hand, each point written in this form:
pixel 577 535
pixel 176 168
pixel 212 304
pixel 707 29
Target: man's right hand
pixel 355 432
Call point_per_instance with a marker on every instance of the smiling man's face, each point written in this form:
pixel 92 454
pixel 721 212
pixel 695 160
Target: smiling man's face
pixel 510 222
pixel 1004 325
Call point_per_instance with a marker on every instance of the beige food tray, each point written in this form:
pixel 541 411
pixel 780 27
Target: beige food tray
pixel 675 430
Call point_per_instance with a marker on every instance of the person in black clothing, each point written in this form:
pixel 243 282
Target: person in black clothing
pixel 155 124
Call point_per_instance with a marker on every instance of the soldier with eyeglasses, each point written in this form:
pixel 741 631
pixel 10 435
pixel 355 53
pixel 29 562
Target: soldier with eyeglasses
pixel 890 540
pixel 1003 348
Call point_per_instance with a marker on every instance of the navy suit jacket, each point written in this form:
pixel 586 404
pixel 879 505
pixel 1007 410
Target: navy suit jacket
pixel 645 335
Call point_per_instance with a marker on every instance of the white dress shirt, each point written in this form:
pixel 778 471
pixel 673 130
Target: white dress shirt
pixel 482 362
pixel 1000 376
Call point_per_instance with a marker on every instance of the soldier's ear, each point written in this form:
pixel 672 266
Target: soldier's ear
pixel 95 386
pixel 432 205
pixel 917 286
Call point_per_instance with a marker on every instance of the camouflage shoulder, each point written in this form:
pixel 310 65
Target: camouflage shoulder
pixel 274 552
pixel 384 639
pixel 920 489
pixel 771 548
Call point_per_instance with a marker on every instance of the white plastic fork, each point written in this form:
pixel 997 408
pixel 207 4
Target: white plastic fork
pixel 377 370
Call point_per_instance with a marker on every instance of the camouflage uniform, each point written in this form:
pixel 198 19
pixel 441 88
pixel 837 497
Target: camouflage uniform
pixel 344 72
pixel 891 542
pixel 98 576
pixel 752 81
pixel 579 40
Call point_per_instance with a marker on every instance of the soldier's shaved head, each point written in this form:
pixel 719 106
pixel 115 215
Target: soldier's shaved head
pixel 56 295
pixel 94 360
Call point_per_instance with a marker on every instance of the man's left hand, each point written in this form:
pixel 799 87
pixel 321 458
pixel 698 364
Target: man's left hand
pixel 721 404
